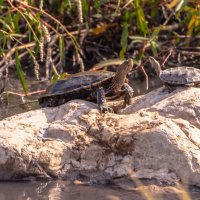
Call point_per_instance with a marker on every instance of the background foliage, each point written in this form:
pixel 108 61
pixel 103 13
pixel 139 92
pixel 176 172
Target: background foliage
pixel 46 38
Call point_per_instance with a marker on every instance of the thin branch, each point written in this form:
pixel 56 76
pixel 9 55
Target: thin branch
pixel 146 77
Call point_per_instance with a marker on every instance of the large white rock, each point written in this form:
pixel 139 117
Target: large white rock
pixel 157 137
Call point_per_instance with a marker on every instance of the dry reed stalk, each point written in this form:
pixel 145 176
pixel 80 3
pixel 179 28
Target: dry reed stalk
pixel 36 68
pixel 46 33
pixel 80 13
pixel 41 4
pixel 41 46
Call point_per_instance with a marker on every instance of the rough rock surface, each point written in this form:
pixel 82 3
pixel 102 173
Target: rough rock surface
pixel 157 137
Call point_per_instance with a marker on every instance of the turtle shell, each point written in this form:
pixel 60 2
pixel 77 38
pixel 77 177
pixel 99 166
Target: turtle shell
pixel 181 76
pixel 75 86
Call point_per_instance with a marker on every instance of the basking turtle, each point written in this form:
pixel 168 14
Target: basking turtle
pixel 96 86
pixel 178 76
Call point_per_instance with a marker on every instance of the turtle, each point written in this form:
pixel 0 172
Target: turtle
pixel 178 76
pixel 95 86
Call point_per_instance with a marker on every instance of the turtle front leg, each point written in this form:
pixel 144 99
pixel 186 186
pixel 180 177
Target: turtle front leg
pixel 101 100
pixel 170 88
pixel 128 90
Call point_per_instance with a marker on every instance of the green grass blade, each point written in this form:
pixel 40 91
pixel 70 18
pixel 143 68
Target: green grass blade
pixel 4 44
pixel 16 22
pixel 62 51
pixel 21 73
pixel 124 40
pixel 141 21
pixel 1 2
pixel 85 7
pixel 99 3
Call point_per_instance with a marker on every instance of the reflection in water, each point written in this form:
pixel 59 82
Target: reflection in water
pixel 61 190
pixel 58 190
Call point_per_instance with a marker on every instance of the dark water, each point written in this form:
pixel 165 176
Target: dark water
pixel 12 103
pixel 58 190
pixel 61 190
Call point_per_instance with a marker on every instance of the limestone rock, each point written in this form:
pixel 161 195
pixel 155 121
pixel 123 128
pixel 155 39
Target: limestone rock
pixel 157 137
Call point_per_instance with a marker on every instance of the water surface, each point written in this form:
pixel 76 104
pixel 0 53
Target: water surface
pixel 61 190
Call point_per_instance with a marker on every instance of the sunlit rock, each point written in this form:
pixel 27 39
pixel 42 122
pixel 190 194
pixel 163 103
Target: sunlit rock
pixel 157 137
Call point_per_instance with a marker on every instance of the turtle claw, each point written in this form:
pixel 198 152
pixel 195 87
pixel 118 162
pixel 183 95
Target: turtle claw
pixel 101 101
pixel 169 88
pixel 128 94
pixel 105 109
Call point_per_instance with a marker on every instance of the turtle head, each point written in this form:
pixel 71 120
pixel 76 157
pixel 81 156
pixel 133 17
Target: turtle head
pixel 127 65
pixel 155 64
pixel 125 68
pixel 121 74
pixel 131 62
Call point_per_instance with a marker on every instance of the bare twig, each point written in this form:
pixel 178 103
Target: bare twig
pixel 12 51
pixel 80 62
pixel 167 57
pixel 48 61
pixel 2 69
pixel 54 19
pixel 146 77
